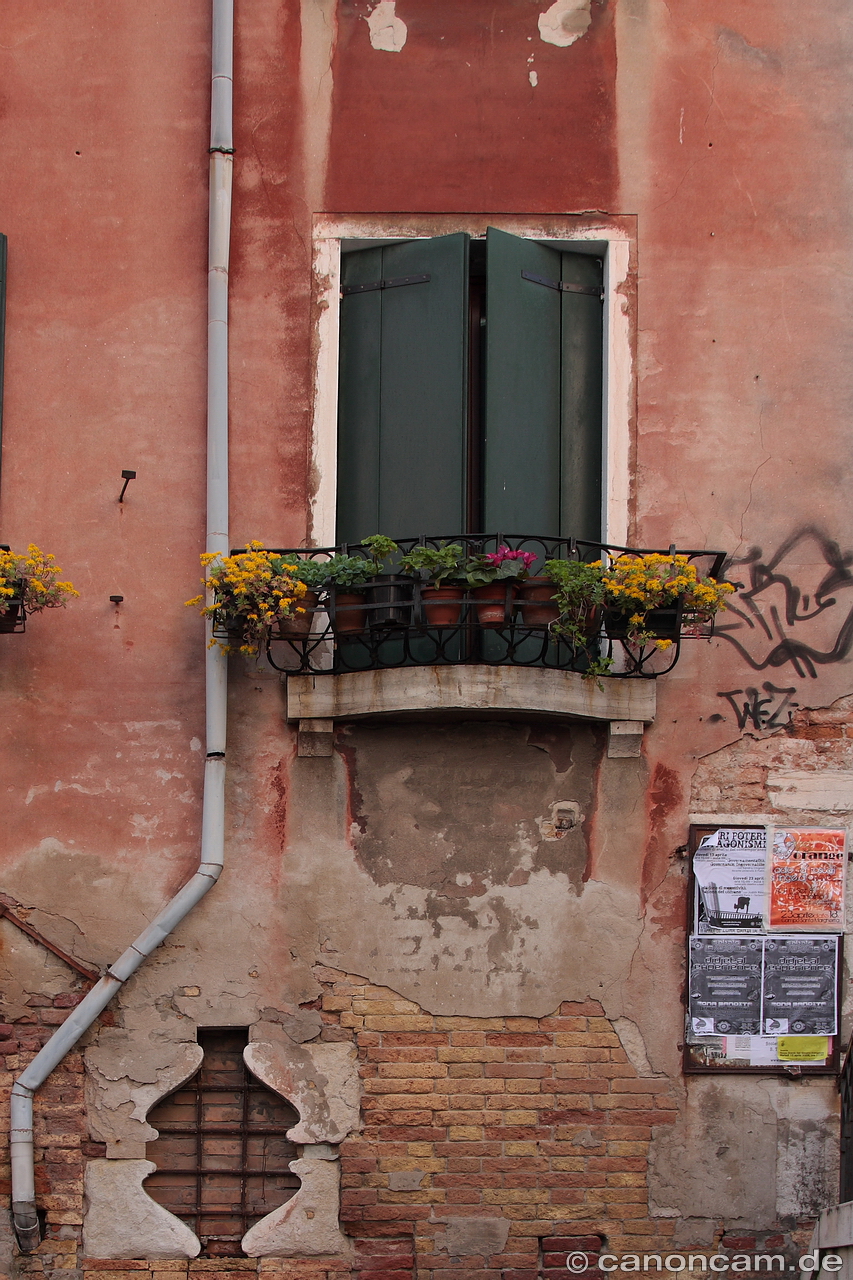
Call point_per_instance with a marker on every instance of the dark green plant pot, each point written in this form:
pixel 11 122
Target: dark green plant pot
pixel 390 601
pixel 661 624
pixel 12 619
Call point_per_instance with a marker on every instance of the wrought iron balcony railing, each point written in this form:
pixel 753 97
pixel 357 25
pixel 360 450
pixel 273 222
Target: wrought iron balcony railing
pixel 394 621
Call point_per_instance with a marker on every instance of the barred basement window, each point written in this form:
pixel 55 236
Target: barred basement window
pixel 222 1154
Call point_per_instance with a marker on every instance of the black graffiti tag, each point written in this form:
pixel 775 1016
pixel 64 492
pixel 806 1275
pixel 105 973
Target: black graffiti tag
pixel 796 607
pixel 751 708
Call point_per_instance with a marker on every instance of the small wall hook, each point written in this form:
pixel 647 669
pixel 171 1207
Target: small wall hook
pixel 126 476
pixel 116 599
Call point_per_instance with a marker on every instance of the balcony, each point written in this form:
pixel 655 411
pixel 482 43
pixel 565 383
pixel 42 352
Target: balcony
pixel 390 646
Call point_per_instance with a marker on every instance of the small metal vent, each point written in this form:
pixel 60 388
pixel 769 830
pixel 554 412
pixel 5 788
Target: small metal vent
pixel 222 1155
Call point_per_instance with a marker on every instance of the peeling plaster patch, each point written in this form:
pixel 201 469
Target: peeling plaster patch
pixel 122 1221
pixel 734 45
pixel 810 789
pixel 737 1134
pixel 308 1222
pixel 427 808
pixel 387 31
pixel 117 1102
pixel 298 1024
pixel 565 22
pixel 533 78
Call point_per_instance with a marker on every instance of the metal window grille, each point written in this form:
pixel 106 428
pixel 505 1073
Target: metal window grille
pixel 222 1154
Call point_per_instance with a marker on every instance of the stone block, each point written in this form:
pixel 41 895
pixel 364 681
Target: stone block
pixel 122 1221
pixel 308 1223
pixel 321 1080
pixel 465 1237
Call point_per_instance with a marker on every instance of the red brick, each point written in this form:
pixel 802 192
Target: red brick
pixel 583 1244
pixel 503 1039
pixel 518 1070
pixel 415 1038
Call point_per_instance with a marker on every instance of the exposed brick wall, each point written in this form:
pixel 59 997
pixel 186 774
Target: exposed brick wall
pixel 59 1123
pixel 539 1121
pixel 734 779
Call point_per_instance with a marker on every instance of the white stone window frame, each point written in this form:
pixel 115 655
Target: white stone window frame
pixel 608 236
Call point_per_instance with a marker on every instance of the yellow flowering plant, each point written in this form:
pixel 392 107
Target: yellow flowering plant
pixel 634 585
pixel 252 592
pixel 31 582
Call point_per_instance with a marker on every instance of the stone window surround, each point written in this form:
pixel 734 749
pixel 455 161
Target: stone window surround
pixel 614 236
pixel 320 1080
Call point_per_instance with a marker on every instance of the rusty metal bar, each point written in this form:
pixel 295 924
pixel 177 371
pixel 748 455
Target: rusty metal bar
pixel 92 975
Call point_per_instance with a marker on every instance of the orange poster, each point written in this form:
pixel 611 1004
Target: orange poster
pixel 807 869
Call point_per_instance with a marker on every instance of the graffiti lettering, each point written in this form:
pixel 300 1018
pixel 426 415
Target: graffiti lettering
pixel 758 711
pixel 795 608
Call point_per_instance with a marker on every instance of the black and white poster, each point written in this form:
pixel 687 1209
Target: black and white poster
pixel 800 982
pixel 725 985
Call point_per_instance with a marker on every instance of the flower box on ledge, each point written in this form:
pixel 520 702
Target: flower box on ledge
pixel 603 612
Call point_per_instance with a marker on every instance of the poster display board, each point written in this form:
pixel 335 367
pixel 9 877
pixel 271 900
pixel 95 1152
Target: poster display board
pixel 764 949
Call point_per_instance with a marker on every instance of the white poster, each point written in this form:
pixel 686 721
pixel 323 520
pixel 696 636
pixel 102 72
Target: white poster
pixel 730 870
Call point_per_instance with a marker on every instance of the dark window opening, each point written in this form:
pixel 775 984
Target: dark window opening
pixel 222 1155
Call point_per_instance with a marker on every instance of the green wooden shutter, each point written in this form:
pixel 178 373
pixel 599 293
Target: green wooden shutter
pixel 542 453
pixel 403 392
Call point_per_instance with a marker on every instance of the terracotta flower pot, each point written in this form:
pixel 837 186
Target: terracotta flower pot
pixel 538 607
pixel 494 604
pixel 298 625
pixel 442 605
pixel 350 614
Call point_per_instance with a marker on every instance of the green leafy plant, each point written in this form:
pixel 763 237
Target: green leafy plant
pixel 437 564
pixel 314 574
pixel 578 593
pixel 348 571
pixel 380 548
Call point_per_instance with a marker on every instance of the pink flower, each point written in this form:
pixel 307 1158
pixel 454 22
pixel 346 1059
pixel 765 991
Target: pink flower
pixel 504 553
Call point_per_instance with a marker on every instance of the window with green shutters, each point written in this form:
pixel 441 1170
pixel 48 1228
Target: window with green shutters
pixel 470 389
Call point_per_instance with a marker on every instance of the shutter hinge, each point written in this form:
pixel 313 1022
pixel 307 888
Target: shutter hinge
pixel 563 286
pixel 393 283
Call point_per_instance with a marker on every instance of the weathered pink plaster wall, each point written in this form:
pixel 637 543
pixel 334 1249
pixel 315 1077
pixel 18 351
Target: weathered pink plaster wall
pixel 721 127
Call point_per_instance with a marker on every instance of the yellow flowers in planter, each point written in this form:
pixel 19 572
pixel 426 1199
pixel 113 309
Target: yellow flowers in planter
pixel 253 591
pixel 31 581
pixel 635 585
